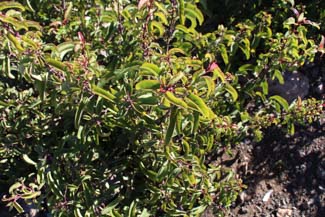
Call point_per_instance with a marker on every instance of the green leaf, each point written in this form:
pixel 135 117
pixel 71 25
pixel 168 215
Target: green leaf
pixel 171 126
pixel 15 42
pixel 291 128
pixel 281 101
pixel 31 195
pixel 111 205
pixel 224 54
pixel 56 64
pixel 181 10
pixel 265 87
pixel 10 5
pixel 65 48
pixel 196 122
pixel 29 6
pixel 202 107
pixel 53 185
pixel 103 93
pixel 174 100
pixel 245 47
pixel 277 74
pixel 148 84
pixel 6 66
pixel 162 17
pixel 16 23
pixel 192 11
pixel 210 84
pixel 246 67
pixel 150 100
pixel 14 186
pixel 151 68
pixel 79 112
pixel 230 89
pixel 77 212
pixel 154 25
pixel 217 73
pixel 33 24
pixel 176 78
pixel 28 160
pixel 67 12
pixel 290 21
pixel 145 213
pixel 17 207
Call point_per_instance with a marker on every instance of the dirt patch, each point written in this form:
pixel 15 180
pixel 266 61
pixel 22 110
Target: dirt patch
pixel 285 175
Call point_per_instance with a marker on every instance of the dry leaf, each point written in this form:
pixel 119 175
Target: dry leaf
pixel 142 3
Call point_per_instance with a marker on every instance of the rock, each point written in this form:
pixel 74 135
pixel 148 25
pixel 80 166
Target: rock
pixel 242 197
pixel 295 84
pixel 321 172
pixel 319 88
pixel 283 212
pixel 243 210
pixel 267 196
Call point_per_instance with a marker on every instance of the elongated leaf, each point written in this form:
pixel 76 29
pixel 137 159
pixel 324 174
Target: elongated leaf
pixel 16 23
pixel 142 3
pixel 230 89
pixel 246 67
pixel 162 17
pixel 148 84
pixel 145 213
pixel 150 68
pixel 28 160
pixel 14 186
pixel 53 185
pixel 181 10
pixel 103 93
pixel 217 73
pixel 29 42
pixel 210 84
pixel 176 78
pixel 18 207
pixel 196 122
pixel 79 112
pixel 65 48
pixel 277 74
pixel 56 64
pixel 15 42
pixel 191 11
pixel 67 12
pixel 31 195
pixel 33 24
pixel 174 100
pixel 171 126
pixel 245 47
pixel 281 101
pixel 29 6
pixel 224 54
pixel 151 100
pixel 154 25
pixel 10 5
pixel 203 108
pixel 179 123
pixel 111 205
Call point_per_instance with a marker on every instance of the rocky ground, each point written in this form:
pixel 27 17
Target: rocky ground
pixel 285 175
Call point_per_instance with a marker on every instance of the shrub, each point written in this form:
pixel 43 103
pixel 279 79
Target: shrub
pixel 113 108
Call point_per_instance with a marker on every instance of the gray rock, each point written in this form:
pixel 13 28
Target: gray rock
pixel 295 84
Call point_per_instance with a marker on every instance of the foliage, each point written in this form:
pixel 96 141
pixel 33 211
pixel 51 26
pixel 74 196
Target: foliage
pixel 114 108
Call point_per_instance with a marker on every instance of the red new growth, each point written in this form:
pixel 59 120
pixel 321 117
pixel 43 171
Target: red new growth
pixel 212 66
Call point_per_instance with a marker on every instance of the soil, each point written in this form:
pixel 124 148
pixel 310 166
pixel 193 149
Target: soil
pixel 284 175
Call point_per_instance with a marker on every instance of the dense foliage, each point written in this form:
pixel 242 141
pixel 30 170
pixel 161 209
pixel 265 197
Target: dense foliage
pixel 115 108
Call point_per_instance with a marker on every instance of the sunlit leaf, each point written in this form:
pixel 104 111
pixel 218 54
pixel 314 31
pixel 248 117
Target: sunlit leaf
pixel 148 84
